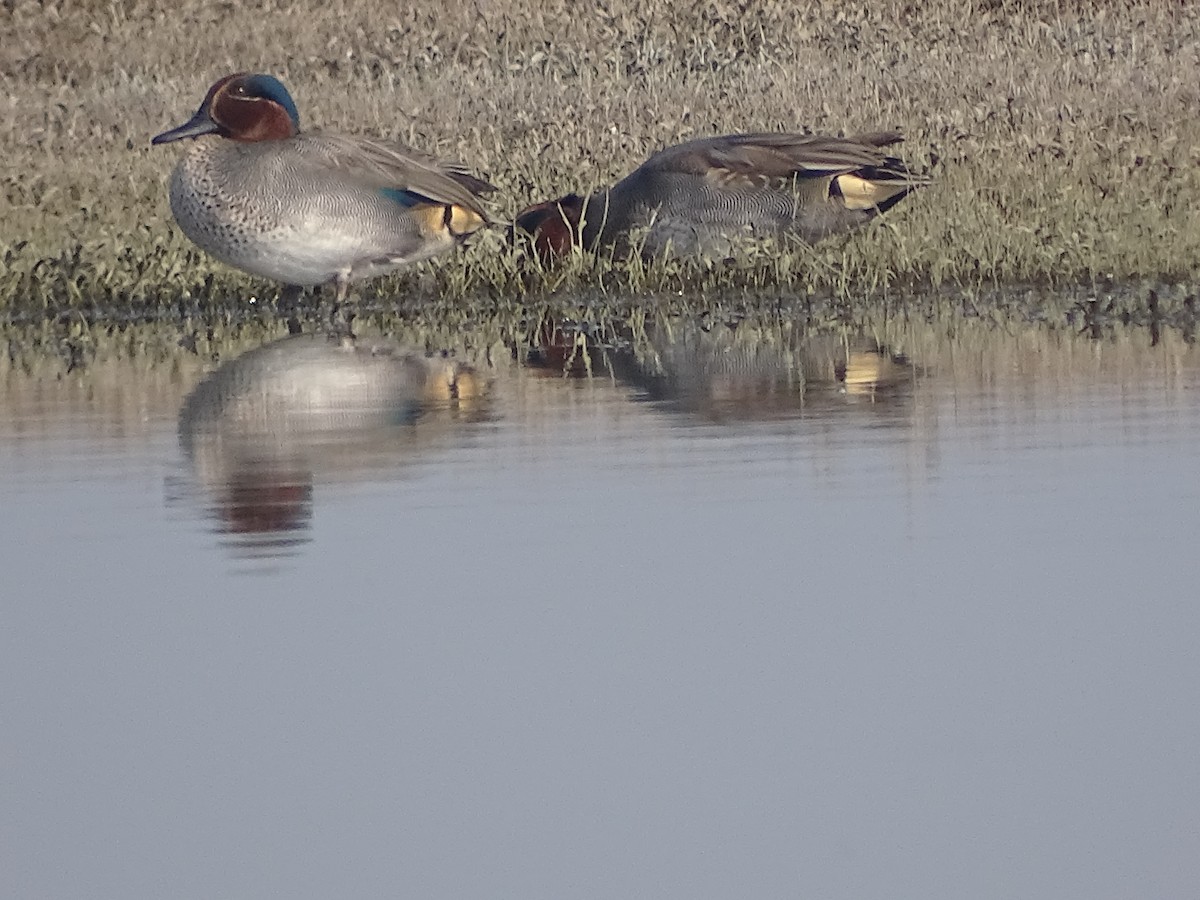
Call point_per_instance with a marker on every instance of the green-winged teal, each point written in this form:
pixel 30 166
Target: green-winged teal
pixel 263 428
pixel 697 197
pixel 310 208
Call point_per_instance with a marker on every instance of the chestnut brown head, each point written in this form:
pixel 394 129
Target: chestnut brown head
pixel 553 226
pixel 241 107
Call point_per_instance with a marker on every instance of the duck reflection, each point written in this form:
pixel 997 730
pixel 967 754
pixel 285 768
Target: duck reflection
pixel 262 428
pixel 577 349
pixel 736 372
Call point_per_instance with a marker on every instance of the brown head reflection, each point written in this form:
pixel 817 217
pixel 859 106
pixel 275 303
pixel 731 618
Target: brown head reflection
pixel 266 502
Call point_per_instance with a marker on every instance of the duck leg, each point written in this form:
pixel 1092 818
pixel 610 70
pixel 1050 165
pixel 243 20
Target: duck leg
pixel 289 306
pixel 340 320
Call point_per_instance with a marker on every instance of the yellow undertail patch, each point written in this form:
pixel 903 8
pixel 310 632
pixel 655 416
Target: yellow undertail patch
pixel 462 221
pixel 431 220
pixel 859 193
pixel 446 221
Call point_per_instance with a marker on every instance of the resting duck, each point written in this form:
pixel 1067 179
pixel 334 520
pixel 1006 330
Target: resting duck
pixel 697 197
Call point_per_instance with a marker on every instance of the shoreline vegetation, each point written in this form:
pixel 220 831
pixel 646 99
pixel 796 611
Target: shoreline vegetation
pixel 46 359
pixel 1063 138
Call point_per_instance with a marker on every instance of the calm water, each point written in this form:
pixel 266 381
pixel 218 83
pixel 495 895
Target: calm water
pixel 742 614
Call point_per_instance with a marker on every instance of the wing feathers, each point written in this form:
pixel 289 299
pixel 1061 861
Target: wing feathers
pixel 394 167
pixel 769 157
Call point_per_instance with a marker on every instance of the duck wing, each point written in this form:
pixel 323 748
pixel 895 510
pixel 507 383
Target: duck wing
pixel 395 168
pixel 857 170
pixel 759 158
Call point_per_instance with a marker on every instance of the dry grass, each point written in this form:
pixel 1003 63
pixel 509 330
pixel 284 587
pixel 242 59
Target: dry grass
pixel 1064 136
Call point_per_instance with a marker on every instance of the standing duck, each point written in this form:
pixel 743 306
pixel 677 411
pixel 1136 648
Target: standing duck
pixel 310 208
pixel 698 197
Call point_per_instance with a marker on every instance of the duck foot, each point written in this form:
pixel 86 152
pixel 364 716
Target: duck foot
pixel 341 320
pixel 289 307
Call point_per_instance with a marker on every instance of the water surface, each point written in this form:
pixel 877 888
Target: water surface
pixel 719 612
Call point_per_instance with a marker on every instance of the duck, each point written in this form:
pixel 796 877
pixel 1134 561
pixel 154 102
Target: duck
pixel 264 428
pixel 697 198
pixel 310 208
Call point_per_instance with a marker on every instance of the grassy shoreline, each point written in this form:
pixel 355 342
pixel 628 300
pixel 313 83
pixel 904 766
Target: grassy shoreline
pixel 1064 138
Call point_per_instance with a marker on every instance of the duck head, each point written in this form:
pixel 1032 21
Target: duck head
pixel 553 226
pixel 241 107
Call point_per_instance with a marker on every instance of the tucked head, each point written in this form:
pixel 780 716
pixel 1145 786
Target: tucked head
pixel 241 107
pixel 553 226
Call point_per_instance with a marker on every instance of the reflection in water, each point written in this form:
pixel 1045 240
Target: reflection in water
pixel 607 645
pixel 734 373
pixel 262 427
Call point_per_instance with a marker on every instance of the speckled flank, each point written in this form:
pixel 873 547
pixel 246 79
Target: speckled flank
pixel 248 207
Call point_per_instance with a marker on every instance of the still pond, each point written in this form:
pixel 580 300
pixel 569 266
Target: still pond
pixel 687 610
